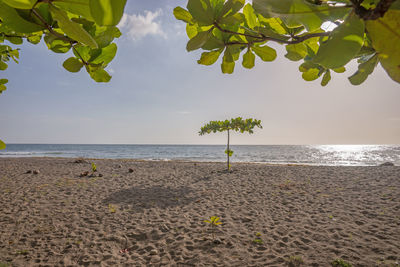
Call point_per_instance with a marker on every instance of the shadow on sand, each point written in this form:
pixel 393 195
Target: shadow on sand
pixel 152 197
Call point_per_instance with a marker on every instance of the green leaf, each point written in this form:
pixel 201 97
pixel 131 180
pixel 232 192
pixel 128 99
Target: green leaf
pixel 230 20
pixel 364 69
pixel 15 22
pixel 2 85
pixel 343 44
pixel 2 145
pixel 2 88
pixel 227 67
pixel 57 45
pixel 231 7
pixel 83 52
pixel 296 52
pixel 265 52
pixel 213 43
pixel 191 30
pixel 201 11
pixel 106 55
pixel 35 39
pixel 73 64
pixel 105 35
pixel 275 24
pixel 80 7
pixel 209 58
pixel 182 14
pixel 20 4
pixel 228 64
pixel 339 70
pixel 385 37
pixel 311 74
pixel 100 75
pixel 300 12
pixel 306 65
pixel 72 29
pixel 217 6
pixel 229 152
pixel 3 65
pixel 107 12
pixel 326 78
pixel 15 40
pixel 198 41
pixel 248 59
pixel 44 12
pixel 234 50
pixel 369 4
pixel 250 16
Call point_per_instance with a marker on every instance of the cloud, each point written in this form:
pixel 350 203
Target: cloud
pixel 139 26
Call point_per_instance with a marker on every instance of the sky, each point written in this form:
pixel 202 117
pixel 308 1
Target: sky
pixel 160 95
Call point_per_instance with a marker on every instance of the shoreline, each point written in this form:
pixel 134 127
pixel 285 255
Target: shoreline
pixel 154 216
pixel 195 161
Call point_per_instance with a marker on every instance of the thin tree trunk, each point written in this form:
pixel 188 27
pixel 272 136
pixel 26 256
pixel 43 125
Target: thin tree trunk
pixel 228 151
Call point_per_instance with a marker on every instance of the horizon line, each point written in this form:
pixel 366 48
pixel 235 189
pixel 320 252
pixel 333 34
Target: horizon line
pixel 188 144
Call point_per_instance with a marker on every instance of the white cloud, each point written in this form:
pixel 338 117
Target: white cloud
pixel 139 26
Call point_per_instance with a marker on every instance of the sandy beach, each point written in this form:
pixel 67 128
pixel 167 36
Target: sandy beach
pixel 154 214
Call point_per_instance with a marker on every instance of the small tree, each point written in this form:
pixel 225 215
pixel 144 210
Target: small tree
pixel 238 125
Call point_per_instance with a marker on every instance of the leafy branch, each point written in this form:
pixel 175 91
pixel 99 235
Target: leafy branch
pixel 261 38
pixel 364 31
pixel 86 27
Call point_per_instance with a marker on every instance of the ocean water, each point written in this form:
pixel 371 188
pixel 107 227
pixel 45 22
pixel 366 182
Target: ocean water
pixel 327 155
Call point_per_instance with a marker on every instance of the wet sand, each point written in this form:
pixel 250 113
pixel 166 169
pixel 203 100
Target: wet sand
pixel 154 215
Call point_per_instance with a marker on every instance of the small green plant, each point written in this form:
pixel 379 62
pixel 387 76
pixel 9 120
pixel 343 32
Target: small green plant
pixel 237 124
pixel 2 264
pixel 112 208
pixel 214 222
pixel 295 261
pixel 258 239
pixel 94 170
pixel 340 263
pixel 94 167
pixel 23 252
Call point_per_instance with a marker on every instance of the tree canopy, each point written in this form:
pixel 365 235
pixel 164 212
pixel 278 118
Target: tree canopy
pixel 365 30
pixel 87 27
pixel 237 124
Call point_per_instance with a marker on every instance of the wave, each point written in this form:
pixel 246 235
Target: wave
pixel 16 153
pixel 33 153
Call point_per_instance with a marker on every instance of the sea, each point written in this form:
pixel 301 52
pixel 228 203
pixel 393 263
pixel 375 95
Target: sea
pixel 325 155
